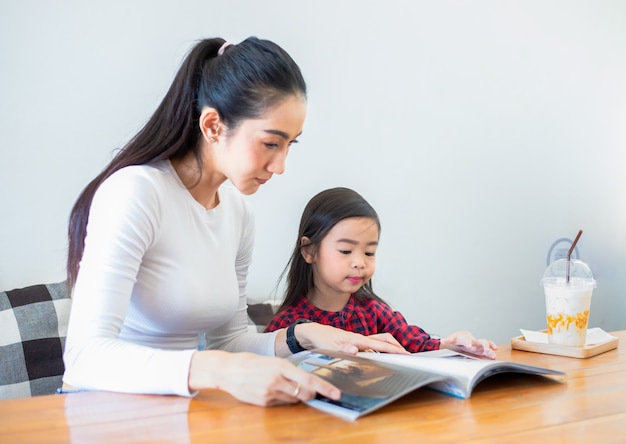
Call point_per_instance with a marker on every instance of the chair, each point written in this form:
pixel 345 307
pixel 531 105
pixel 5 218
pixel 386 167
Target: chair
pixel 260 314
pixel 33 327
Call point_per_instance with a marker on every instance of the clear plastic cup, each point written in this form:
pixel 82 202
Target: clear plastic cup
pixel 568 303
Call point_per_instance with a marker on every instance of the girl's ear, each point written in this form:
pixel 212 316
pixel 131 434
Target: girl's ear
pixel 210 124
pixel 307 250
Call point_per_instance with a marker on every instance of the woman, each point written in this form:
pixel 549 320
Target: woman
pixel 159 246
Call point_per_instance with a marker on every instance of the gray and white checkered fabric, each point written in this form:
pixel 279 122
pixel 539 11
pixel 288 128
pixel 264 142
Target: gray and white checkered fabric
pixel 33 326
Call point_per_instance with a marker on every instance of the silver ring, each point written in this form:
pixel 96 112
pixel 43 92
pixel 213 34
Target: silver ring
pixel 296 392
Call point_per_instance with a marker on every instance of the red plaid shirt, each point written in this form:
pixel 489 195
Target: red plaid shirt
pixel 367 318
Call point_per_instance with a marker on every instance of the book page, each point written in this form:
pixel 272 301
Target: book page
pixel 458 367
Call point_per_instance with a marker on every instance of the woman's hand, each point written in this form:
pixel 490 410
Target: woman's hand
pixel 313 335
pixel 465 341
pixel 256 379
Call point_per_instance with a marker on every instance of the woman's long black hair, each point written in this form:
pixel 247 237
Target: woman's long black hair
pixel 240 84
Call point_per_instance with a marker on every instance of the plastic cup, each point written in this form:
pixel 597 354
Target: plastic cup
pixel 568 303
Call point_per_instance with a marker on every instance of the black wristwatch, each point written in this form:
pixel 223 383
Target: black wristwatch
pixel 292 342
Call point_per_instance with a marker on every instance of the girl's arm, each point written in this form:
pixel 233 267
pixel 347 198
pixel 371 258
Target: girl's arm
pixel 465 341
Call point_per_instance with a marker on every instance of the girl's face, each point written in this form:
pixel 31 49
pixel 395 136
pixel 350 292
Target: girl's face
pixel 257 149
pixel 345 259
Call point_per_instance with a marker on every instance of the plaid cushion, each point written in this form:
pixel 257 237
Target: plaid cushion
pixel 33 326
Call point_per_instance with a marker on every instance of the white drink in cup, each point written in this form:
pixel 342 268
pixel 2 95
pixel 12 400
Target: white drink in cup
pixel 567 313
pixel 568 301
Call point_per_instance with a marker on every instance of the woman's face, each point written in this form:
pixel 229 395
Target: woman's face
pixel 256 150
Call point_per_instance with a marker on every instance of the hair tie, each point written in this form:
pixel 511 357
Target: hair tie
pixel 223 47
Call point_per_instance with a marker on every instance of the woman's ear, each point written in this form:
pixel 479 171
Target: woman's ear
pixel 307 250
pixel 210 124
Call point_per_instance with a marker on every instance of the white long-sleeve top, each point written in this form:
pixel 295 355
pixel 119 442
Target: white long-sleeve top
pixel 158 269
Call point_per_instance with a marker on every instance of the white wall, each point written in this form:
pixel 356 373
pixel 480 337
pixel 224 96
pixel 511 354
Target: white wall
pixel 481 131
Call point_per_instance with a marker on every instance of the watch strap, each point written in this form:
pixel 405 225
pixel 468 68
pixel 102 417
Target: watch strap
pixel 292 342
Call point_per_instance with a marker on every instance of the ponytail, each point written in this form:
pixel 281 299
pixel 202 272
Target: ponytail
pixel 241 82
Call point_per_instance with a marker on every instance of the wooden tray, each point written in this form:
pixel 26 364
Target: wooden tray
pixel 520 343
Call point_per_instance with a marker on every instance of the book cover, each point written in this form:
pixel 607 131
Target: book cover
pixel 369 381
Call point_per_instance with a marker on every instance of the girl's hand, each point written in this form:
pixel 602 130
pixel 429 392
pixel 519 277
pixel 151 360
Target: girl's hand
pixel 465 341
pixel 255 379
pixel 313 335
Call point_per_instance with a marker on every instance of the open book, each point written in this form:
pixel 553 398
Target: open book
pixel 369 381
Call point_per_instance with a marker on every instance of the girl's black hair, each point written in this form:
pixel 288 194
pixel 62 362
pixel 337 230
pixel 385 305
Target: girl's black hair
pixel 320 215
pixel 242 83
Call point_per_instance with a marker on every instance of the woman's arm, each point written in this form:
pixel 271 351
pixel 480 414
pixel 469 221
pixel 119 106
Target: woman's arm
pixel 313 335
pixel 123 220
pixel 255 379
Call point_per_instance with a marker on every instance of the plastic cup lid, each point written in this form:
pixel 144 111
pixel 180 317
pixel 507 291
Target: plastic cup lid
pixel 579 273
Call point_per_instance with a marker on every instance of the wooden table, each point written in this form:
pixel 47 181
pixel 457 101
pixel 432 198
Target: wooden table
pixel 590 407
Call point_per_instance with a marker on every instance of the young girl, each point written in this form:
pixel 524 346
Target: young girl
pixel 160 245
pixel 330 271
